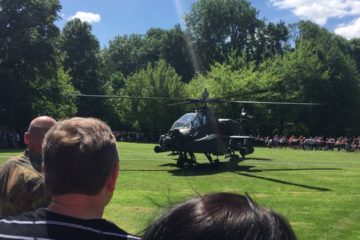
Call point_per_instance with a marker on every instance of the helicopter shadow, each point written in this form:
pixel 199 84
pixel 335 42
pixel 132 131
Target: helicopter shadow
pixel 258 159
pixel 246 171
pixel 204 169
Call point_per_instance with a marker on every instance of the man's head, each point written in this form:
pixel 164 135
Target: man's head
pixel 34 137
pixel 80 157
pixel 38 127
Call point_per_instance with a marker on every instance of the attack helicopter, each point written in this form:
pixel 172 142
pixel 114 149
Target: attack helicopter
pixel 202 132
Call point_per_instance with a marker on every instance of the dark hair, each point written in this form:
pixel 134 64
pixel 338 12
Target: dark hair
pixel 79 154
pixel 220 216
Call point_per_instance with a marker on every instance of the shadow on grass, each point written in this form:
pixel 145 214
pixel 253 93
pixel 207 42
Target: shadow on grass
pixel 284 182
pixel 144 170
pixel 258 159
pixel 245 170
pixel 295 169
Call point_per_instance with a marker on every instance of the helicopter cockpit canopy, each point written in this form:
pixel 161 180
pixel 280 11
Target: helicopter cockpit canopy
pixel 184 122
pixel 189 122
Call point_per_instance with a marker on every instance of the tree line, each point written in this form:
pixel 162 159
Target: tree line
pixel 225 47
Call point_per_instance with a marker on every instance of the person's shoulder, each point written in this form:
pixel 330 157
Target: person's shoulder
pixel 21 160
pixel 11 162
pixel 99 228
pixel 23 167
pixel 24 218
pixel 111 228
pixel 19 175
pixel 17 158
pixel 21 171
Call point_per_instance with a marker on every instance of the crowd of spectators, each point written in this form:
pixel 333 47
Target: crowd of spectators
pixel 349 144
pixel 9 138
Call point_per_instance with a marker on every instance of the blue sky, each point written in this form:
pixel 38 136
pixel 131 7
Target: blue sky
pixel 110 18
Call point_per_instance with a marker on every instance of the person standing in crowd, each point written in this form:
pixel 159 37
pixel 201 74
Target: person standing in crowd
pixel 220 216
pixel 81 165
pixel 21 183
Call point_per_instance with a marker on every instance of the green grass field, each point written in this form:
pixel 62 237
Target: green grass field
pixel 319 192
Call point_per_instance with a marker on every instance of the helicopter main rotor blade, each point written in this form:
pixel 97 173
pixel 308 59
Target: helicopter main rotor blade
pixel 242 94
pixel 179 103
pixel 125 97
pixel 195 100
pixel 277 103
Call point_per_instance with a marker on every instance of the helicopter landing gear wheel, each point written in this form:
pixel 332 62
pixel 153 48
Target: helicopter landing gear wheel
pixel 180 163
pixel 186 160
pixel 234 158
pixel 216 163
pixel 243 151
pixel 181 160
pixel 191 160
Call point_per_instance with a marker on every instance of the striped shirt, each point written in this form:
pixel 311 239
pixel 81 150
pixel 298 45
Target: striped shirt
pixel 45 225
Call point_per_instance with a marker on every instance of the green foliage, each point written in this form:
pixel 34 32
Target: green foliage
pixel 295 77
pixel 82 60
pixel 173 47
pixel 355 51
pixel 269 40
pixel 158 80
pixel 51 98
pixel 219 27
pixel 81 49
pixel 340 93
pixel 128 54
pixel 298 76
pixel 30 73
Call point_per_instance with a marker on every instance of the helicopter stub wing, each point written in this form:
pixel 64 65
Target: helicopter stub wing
pixel 240 137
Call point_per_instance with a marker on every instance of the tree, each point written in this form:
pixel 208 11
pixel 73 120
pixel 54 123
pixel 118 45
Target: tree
pixel 297 76
pixel 156 80
pixel 30 70
pixel 341 91
pixel 82 60
pixel 220 26
pixel 172 46
pixel 268 41
pixel 355 51
pixel 127 54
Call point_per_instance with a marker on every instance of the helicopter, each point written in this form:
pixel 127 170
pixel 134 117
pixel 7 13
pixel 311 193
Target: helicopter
pixel 202 132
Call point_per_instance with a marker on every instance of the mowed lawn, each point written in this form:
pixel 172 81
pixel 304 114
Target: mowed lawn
pixel 318 191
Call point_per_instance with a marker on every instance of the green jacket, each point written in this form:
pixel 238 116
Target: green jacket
pixel 21 187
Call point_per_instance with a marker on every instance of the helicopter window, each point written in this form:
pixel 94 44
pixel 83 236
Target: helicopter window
pixel 197 122
pixel 184 121
pixel 204 120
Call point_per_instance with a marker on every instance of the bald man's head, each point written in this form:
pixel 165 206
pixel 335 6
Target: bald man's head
pixel 38 127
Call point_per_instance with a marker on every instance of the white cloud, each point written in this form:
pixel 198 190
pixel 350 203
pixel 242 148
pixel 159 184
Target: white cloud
pixel 86 17
pixel 319 11
pixel 349 31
